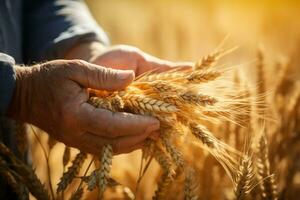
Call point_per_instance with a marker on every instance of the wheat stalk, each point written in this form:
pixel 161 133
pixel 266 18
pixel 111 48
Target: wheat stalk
pixel 267 180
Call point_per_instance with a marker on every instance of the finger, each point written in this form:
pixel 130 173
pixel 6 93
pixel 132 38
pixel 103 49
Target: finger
pixel 154 135
pixel 127 144
pixel 97 77
pixel 92 143
pixel 132 148
pixel 109 124
pixel 160 65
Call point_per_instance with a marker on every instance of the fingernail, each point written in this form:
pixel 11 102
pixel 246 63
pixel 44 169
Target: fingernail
pixel 154 135
pixel 125 74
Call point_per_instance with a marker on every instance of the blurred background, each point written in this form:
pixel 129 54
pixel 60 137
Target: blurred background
pixel 187 30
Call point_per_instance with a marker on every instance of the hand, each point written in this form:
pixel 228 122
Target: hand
pixel 122 57
pixel 53 96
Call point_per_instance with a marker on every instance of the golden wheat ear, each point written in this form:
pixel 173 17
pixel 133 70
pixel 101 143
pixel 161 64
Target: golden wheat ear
pixel 72 171
pixel 267 180
pixel 191 185
pixel 169 75
pixel 211 59
pixel 167 177
pixel 223 153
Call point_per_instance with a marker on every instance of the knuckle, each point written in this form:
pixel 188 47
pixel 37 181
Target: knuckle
pixel 78 62
pixel 108 75
pixel 128 48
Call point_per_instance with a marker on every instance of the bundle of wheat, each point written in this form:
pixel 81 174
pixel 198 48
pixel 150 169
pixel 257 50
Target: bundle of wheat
pixel 178 99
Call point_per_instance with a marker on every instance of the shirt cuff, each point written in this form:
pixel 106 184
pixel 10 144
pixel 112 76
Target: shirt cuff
pixel 7 81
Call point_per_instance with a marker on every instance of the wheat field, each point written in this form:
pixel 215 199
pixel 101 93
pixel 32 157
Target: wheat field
pixel 230 127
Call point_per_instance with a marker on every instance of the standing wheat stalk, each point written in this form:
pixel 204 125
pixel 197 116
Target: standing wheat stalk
pixel 267 180
pixel 244 179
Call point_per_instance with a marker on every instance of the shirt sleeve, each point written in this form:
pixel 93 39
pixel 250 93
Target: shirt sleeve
pixel 7 81
pixel 51 27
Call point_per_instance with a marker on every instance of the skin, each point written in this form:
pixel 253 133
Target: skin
pixel 53 96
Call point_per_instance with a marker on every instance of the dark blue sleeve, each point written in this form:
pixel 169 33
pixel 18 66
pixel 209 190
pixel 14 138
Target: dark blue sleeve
pixel 51 27
pixel 7 81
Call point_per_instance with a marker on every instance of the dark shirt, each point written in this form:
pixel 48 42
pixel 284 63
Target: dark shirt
pixel 34 31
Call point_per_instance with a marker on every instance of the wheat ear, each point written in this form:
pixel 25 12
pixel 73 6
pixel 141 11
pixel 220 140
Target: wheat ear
pixel 202 76
pixel 199 99
pixel 190 185
pixel 244 178
pixel 104 171
pixel 72 171
pixel 267 180
pixel 221 151
pixel 211 59
pixel 77 195
pixel 168 174
pixel 147 104
pixel 175 154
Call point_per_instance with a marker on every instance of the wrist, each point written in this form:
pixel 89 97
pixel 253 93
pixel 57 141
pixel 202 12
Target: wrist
pixel 86 51
pixel 21 99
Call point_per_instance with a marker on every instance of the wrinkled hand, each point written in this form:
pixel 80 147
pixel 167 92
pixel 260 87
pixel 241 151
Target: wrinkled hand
pixel 53 96
pixel 122 57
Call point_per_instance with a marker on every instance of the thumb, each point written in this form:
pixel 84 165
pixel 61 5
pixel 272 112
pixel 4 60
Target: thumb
pixel 97 77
